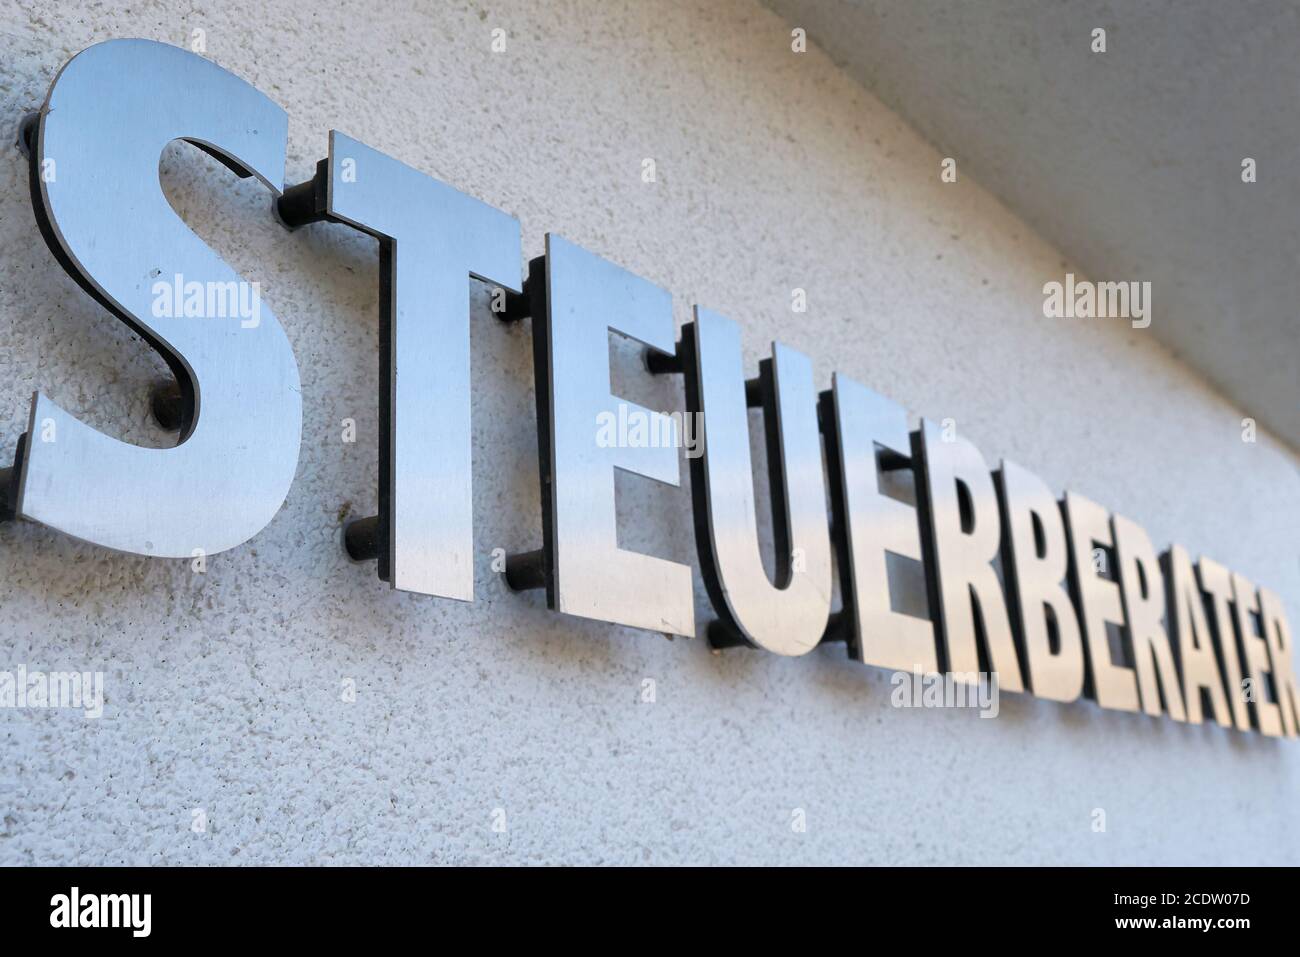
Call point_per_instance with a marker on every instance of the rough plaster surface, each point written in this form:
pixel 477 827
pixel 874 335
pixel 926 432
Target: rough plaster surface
pixel 775 171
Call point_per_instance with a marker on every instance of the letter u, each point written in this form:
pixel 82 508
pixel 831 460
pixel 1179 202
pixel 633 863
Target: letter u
pixel 787 615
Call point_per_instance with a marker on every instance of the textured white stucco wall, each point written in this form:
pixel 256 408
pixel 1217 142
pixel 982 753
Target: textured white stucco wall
pixel 774 171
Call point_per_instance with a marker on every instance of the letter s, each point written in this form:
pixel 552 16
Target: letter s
pixel 109 114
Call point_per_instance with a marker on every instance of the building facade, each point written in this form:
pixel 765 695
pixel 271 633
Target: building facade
pixel 278 703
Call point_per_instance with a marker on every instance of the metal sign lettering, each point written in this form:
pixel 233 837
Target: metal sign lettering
pixel 1058 598
pixel 108 224
pixel 786 616
pixel 432 239
pixel 866 436
pixel 576 299
pixel 1036 567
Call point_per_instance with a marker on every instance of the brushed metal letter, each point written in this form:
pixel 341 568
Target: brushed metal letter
pixel 1142 590
pixel 1216 583
pixel 860 426
pixel 1277 632
pixel 959 565
pixel 592 577
pixel 1036 566
pixel 1097 599
pixel 1193 643
pixel 109 114
pixel 1268 719
pixel 788 616
pixel 432 239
